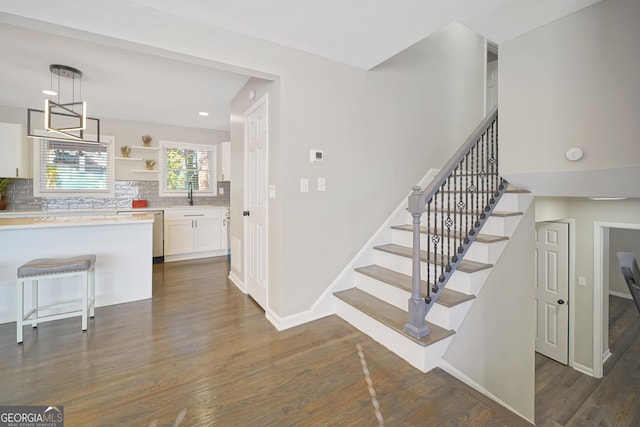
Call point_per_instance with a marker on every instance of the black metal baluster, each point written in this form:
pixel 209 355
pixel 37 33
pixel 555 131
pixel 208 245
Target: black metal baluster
pixel 436 241
pixel 449 224
pixel 460 205
pixel 428 249
pixel 476 177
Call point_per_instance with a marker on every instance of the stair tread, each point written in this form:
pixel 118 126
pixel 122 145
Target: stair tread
pixel 447 297
pixel 389 315
pixel 481 238
pixel 464 265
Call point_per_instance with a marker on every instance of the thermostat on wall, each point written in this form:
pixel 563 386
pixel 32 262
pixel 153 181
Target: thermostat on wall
pixel 316 156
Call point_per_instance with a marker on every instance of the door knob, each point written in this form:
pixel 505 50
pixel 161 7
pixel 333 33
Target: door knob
pixel 560 301
pixel 245 213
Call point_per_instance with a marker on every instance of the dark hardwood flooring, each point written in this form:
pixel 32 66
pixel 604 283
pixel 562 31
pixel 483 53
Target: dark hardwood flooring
pixel 565 397
pixel 202 346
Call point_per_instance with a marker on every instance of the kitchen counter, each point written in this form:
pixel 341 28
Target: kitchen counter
pixel 122 244
pixel 57 220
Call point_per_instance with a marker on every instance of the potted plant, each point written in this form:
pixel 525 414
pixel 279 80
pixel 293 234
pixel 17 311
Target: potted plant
pixel 4 184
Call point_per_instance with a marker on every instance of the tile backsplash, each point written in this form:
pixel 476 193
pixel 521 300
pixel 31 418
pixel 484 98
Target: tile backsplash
pixel 20 197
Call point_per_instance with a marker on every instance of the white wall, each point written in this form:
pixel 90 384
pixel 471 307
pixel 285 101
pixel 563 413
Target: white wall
pixel 551 208
pixel 380 130
pixel 494 346
pixel 574 82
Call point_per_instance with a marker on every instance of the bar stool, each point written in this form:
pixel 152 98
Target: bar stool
pixel 54 268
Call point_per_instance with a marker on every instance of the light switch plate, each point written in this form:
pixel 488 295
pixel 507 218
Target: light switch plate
pixel 582 281
pixel 272 191
pixel 322 184
pixel 304 185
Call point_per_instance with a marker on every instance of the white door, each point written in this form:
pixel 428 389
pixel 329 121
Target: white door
pixel 552 290
pixel 255 213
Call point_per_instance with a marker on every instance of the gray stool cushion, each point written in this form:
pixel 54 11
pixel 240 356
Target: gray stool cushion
pixel 43 266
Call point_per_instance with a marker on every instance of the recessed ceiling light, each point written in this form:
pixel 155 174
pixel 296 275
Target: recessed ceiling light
pixel 203 113
pixel 49 92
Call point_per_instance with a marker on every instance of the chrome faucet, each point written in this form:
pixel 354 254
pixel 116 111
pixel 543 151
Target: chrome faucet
pixel 190 193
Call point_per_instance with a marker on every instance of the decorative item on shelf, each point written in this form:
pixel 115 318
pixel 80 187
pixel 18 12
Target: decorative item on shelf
pixel 125 150
pixel 149 164
pixel 4 184
pixel 146 140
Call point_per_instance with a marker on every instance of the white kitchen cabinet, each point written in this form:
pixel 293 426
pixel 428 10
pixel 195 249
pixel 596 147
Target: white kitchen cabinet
pixel 178 236
pixel 194 233
pixel 15 161
pixel 224 161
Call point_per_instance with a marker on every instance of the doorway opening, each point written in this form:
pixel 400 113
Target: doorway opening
pixel 602 268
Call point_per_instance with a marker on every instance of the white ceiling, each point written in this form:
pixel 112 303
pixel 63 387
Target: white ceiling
pixel 123 84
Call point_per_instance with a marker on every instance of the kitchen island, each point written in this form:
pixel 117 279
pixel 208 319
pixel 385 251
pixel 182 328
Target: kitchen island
pixel 122 244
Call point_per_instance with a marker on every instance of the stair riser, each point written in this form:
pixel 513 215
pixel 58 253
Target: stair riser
pixel 446 317
pixel 486 253
pixel 388 293
pixel 501 226
pixel 514 202
pixel 468 283
pixel 422 358
pixel 494 224
pixel 449 317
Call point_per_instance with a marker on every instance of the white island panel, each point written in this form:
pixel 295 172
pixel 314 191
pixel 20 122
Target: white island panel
pixel 123 246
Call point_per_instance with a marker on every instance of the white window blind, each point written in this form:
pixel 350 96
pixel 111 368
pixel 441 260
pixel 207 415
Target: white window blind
pixel 185 163
pixel 75 167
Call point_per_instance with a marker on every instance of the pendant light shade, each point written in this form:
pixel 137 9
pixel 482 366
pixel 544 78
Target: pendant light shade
pixel 65 113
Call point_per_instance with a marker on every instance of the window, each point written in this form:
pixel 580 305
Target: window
pixel 184 163
pixel 73 168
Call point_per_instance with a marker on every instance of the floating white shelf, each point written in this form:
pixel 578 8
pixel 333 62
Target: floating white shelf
pixel 146 170
pixel 140 147
pixel 129 158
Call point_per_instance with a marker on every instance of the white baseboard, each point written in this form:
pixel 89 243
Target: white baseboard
pixel 606 355
pixel 620 294
pixel 195 255
pixel 453 371
pixel 282 323
pixel 238 282
pixel 584 369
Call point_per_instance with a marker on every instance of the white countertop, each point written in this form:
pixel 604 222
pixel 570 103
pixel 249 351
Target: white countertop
pixel 61 220
pixel 102 212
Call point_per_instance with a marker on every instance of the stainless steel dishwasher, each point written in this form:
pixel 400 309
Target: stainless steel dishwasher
pixel 158 232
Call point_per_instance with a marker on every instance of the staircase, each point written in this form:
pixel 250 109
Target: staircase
pixel 469 218
pixel 377 302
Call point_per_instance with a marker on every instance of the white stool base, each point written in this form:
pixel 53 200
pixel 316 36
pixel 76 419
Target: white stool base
pixel 36 313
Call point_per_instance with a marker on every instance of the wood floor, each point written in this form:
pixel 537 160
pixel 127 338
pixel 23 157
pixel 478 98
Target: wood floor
pixel 202 346
pixel 565 397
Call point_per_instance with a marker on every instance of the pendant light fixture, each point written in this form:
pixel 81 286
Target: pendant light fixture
pixel 65 113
